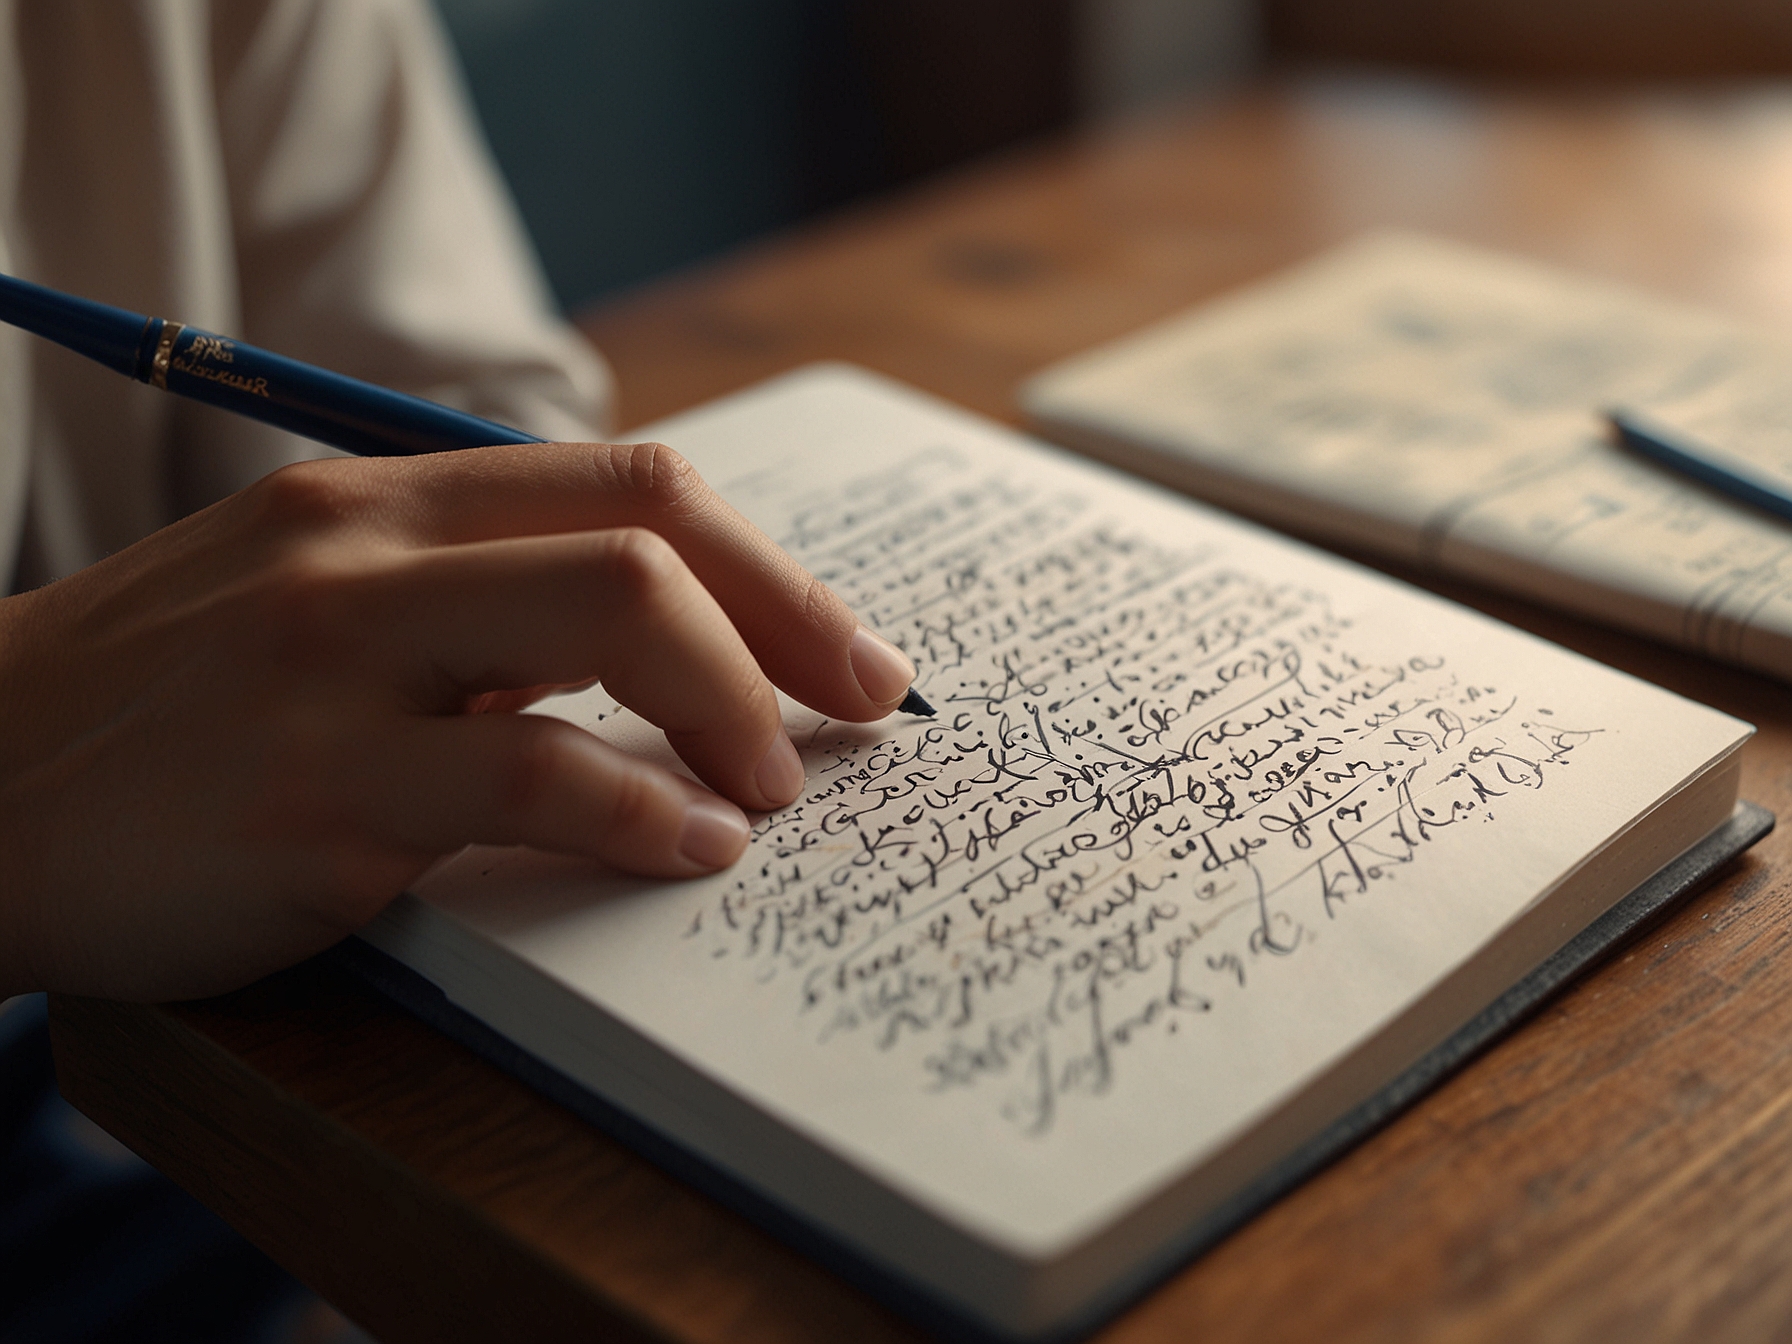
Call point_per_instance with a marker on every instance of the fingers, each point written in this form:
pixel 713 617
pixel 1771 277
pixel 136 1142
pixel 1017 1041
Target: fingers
pixel 524 779
pixel 804 637
pixel 462 621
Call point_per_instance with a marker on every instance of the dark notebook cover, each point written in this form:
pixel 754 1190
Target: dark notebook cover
pixel 1747 824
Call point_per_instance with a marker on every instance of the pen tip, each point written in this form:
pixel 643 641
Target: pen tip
pixel 912 703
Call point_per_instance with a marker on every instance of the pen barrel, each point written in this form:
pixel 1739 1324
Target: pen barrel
pixel 99 331
pixel 363 418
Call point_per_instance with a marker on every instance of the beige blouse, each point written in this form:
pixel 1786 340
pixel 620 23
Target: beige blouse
pixel 304 174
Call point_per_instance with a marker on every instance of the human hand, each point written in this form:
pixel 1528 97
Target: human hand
pixel 229 745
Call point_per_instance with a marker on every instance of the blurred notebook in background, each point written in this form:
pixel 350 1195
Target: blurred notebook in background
pixel 1440 404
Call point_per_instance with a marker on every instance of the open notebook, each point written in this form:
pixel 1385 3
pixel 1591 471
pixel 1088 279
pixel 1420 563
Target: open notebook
pixel 1431 401
pixel 1218 848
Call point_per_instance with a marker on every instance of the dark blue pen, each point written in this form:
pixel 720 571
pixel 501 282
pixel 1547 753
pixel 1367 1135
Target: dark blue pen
pixel 362 418
pixel 1736 476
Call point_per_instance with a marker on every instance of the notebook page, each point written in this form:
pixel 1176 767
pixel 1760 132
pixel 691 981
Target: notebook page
pixel 1452 398
pixel 1202 809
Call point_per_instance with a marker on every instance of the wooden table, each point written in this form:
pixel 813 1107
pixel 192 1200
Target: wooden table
pixel 1620 1168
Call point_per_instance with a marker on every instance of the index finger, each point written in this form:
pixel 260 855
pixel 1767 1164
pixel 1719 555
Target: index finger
pixel 806 639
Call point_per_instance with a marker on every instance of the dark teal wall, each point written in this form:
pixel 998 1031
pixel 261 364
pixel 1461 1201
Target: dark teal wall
pixel 639 134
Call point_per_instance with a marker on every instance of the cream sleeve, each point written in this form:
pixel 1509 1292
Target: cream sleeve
pixel 373 234
pixel 304 174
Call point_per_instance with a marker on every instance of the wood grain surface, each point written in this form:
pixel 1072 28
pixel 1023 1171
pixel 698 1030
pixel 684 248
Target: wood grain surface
pixel 1621 1168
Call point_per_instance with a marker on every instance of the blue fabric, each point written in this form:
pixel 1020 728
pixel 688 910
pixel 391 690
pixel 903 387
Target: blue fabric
pixel 96 1246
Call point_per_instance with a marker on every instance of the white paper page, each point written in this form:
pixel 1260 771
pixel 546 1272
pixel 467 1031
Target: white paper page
pixel 1457 395
pixel 1201 808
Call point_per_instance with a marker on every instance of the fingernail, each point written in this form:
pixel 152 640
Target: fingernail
pixel 780 775
pixel 883 670
pixel 714 833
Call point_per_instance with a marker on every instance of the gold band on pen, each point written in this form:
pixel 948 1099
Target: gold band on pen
pixel 158 364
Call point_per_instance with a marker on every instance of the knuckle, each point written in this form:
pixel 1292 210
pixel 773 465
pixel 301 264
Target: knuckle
pixel 816 604
pixel 640 565
pixel 540 770
pixel 814 607
pixel 659 478
pixel 305 609
pixel 633 806
pixel 534 771
pixel 309 496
